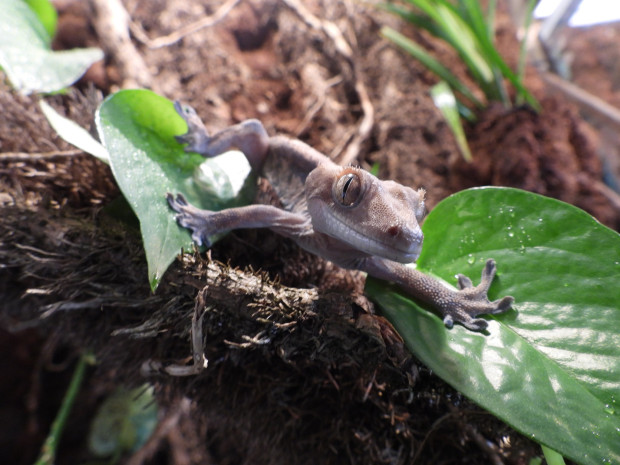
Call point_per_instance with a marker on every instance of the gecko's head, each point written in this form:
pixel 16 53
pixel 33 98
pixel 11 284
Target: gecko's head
pixel 376 217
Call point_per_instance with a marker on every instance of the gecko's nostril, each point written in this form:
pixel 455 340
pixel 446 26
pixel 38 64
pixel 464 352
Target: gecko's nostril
pixel 393 231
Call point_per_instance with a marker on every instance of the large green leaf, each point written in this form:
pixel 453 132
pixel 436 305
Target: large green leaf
pixel 26 56
pixel 137 127
pixel 550 367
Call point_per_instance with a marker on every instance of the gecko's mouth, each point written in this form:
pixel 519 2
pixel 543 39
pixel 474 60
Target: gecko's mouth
pixel 404 249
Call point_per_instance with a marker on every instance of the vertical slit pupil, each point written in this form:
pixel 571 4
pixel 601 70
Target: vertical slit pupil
pixel 347 183
pixel 346 186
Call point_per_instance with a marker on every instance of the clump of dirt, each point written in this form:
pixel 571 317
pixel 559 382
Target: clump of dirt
pixel 294 375
pixel 547 153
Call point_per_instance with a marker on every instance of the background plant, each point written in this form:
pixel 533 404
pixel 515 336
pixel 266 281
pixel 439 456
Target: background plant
pixel 470 32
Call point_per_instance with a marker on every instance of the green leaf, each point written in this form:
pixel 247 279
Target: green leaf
pixel 137 127
pixel 464 40
pixel 46 13
pixel 459 35
pixel 446 102
pixel 529 15
pixel 550 367
pixel 473 15
pixel 124 422
pixel 484 33
pixel 74 134
pixel 418 20
pixel 431 63
pixel 26 56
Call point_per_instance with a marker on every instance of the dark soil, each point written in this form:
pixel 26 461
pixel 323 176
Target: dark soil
pixel 301 369
pixel 547 153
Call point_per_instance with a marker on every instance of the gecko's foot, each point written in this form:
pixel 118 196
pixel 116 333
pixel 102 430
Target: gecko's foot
pixel 192 218
pixel 196 137
pixel 471 301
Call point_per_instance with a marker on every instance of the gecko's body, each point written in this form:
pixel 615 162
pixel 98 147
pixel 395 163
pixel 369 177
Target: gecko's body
pixel 343 214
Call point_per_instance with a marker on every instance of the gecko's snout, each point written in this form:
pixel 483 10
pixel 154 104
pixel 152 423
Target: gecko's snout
pixel 394 231
pixel 401 243
pixel 407 240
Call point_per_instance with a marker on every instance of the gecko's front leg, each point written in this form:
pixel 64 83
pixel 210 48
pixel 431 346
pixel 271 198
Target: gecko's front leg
pixel 248 136
pixel 460 306
pixel 206 223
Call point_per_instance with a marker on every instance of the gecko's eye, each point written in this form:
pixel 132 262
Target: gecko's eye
pixel 348 189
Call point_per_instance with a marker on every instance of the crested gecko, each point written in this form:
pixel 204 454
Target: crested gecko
pixel 343 214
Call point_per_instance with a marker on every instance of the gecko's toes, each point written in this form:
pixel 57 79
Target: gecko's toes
pixel 473 324
pixel 471 301
pixel 179 107
pixel 476 324
pixel 185 111
pixel 463 282
pixel 488 272
pixel 502 305
pixel 181 200
pixel 190 217
pixel 448 321
pixel 170 199
pixel 198 239
pixel 196 136
pixel 176 203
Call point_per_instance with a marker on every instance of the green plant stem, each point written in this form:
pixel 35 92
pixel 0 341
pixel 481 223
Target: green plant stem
pixel 491 19
pixel 523 51
pixel 50 446
pixel 501 93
